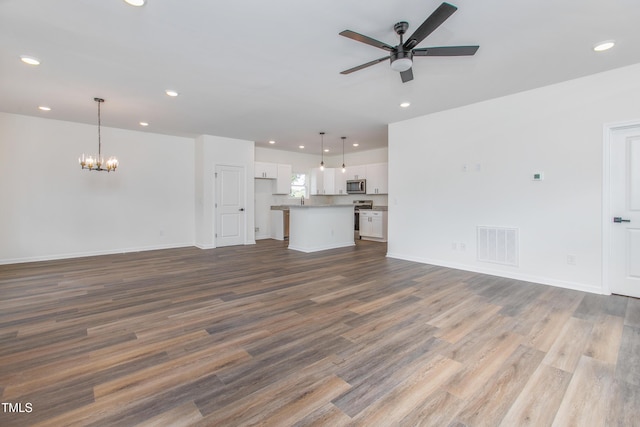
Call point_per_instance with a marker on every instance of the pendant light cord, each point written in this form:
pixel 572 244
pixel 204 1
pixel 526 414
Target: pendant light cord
pixel 322 148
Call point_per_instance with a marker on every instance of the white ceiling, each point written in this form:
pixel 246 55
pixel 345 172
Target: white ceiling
pixel 260 70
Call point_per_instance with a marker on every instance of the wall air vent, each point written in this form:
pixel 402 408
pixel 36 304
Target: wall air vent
pixel 498 245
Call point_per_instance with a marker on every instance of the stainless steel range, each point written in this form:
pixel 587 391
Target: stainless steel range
pixel 357 205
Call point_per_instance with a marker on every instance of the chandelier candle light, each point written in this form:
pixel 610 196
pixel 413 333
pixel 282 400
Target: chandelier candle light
pixel 95 163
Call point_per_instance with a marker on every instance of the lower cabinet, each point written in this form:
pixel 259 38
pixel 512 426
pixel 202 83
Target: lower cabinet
pixel 373 225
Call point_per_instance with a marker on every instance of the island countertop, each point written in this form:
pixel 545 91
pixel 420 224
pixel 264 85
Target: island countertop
pixel 287 207
pixel 320 206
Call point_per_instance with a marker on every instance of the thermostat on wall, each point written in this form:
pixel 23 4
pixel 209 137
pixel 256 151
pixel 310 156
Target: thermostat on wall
pixel 538 176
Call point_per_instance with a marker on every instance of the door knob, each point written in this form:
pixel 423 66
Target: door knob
pixel 241 209
pixel 619 219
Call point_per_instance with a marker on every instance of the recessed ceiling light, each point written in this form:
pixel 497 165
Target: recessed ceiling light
pixel 272 142
pixel 144 124
pixel 171 93
pixel 356 144
pixel 405 104
pixel 29 60
pixel 301 146
pixel 602 46
pixel 326 150
pixel 135 2
pixel 44 108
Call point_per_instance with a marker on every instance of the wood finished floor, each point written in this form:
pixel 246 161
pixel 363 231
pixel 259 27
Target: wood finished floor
pixel 261 335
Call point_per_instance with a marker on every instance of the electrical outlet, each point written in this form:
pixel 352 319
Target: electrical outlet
pixel 571 259
pixel 463 247
pixel 454 246
pixel 257 229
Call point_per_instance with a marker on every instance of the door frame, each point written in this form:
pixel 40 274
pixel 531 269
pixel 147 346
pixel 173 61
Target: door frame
pixel 216 200
pixel 609 131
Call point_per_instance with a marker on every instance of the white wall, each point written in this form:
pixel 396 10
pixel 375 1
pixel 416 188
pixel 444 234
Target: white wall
pixel 209 152
pixel 557 130
pixel 51 208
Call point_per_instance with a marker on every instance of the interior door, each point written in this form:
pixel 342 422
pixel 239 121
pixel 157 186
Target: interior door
pixel 624 170
pixel 230 213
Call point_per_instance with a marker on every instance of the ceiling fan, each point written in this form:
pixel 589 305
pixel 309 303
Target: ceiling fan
pixel 401 56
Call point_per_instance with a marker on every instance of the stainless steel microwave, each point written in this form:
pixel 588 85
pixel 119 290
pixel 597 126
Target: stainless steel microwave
pixel 357 186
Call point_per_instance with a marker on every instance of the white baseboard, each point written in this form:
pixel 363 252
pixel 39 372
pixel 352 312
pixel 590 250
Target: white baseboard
pixel 576 286
pixel 200 246
pixel 320 248
pixel 53 257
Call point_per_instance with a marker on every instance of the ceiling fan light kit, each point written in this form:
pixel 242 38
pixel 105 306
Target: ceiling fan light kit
pixel 401 56
pixel 401 64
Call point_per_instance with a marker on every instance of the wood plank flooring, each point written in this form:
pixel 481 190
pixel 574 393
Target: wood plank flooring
pixel 261 335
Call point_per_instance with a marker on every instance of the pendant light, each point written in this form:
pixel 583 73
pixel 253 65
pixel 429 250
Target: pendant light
pixel 322 150
pixel 95 163
pixel 344 168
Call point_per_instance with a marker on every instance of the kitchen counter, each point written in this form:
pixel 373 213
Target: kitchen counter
pixel 320 227
pixel 288 207
pixel 320 206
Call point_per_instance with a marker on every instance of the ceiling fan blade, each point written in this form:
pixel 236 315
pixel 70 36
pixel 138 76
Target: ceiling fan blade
pixel 444 11
pixel 368 64
pixel 367 40
pixel 407 76
pixel 446 51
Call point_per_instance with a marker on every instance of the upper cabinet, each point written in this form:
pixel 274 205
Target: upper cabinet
pixel 356 172
pixel 330 182
pixel 377 178
pixel 340 182
pixel 265 170
pixel 280 173
pixel 283 179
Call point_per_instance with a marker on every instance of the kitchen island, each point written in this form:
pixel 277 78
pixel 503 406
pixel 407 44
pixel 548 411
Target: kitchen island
pixel 315 228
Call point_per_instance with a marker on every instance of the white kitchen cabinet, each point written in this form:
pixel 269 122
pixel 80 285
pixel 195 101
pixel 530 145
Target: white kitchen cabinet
pixel 339 182
pixel 317 182
pixel 377 178
pixel 283 179
pixel 373 225
pixel 265 170
pixel 356 172
pixel 329 182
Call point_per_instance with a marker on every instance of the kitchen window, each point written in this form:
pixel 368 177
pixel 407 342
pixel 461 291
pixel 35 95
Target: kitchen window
pixel 298 185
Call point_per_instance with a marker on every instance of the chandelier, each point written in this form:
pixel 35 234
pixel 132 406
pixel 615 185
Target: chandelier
pixel 97 163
